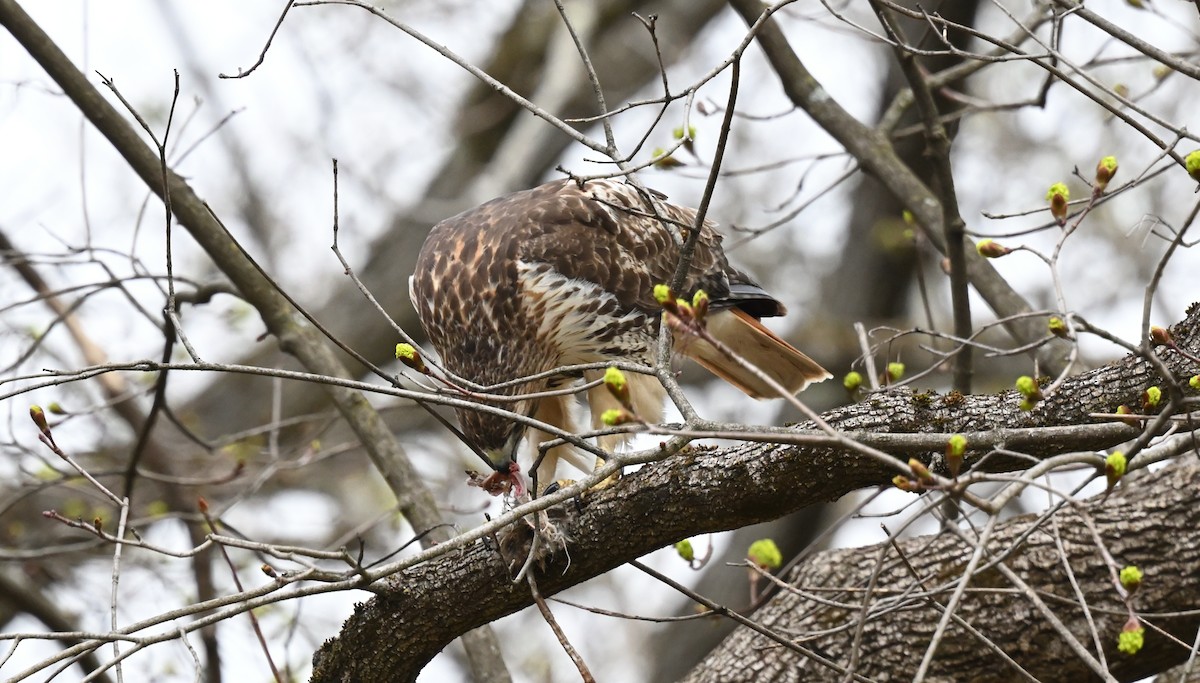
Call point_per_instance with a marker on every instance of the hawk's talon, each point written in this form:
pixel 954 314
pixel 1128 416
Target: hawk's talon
pixel 534 542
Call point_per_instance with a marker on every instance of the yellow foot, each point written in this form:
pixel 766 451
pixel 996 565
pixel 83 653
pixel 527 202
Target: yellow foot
pixel 612 479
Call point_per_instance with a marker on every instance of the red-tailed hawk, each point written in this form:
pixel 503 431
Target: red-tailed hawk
pixel 564 274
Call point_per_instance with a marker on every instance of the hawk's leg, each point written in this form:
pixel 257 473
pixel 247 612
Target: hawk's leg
pixel 647 398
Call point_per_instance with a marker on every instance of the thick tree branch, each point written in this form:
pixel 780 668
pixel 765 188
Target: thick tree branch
pixel 422 608
pixel 1151 521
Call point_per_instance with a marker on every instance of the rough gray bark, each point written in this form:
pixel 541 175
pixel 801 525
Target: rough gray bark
pixel 1152 522
pixel 421 609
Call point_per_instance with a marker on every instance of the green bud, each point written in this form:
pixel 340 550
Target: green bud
pixel 664 160
pixel 614 379
pixel 957 445
pixel 853 380
pixel 662 294
pixel 1131 578
pixel 1192 161
pixel 920 470
pixel 1194 382
pixel 408 354
pixel 39 419
pixel 1105 170
pixel 895 371
pixel 765 554
pixel 956 448
pixel 617 385
pixel 1132 639
pixel 1059 195
pixel 905 484
pixel 1058 327
pixel 685 550
pixel 1029 388
pixel 678 133
pixel 1114 467
pixel 989 248
pixel 1126 410
pixel 1152 397
pixel 700 303
pixel 1160 336
pixel 614 416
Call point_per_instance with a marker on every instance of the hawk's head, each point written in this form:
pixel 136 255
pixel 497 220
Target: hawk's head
pixel 496 437
pixel 492 434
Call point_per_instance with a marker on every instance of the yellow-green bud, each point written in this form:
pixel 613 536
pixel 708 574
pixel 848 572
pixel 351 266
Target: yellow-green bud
pixel 1058 327
pixel 700 303
pixel 1132 639
pixel 662 294
pixel 1059 195
pixel 617 385
pixel 1131 578
pixel 1105 170
pixel 920 470
pixel 905 484
pixel 678 133
pixel 663 160
pixel 1027 404
pixel 895 371
pixel 614 379
pixel 408 354
pixel 908 217
pixel 765 554
pixel 852 381
pixel 685 550
pixel 1160 336
pixel 989 248
pixel 615 416
pixel 1152 397
pixel 1029 388
pixel 39 419
pixel 55 408
pixel 956 448
pixel 957 445
pixel 1194 382
pixel 1126 410
pixel 1114 467
pixel 1192 161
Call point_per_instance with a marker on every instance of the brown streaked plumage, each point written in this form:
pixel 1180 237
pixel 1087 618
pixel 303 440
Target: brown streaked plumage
pixel 561 275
